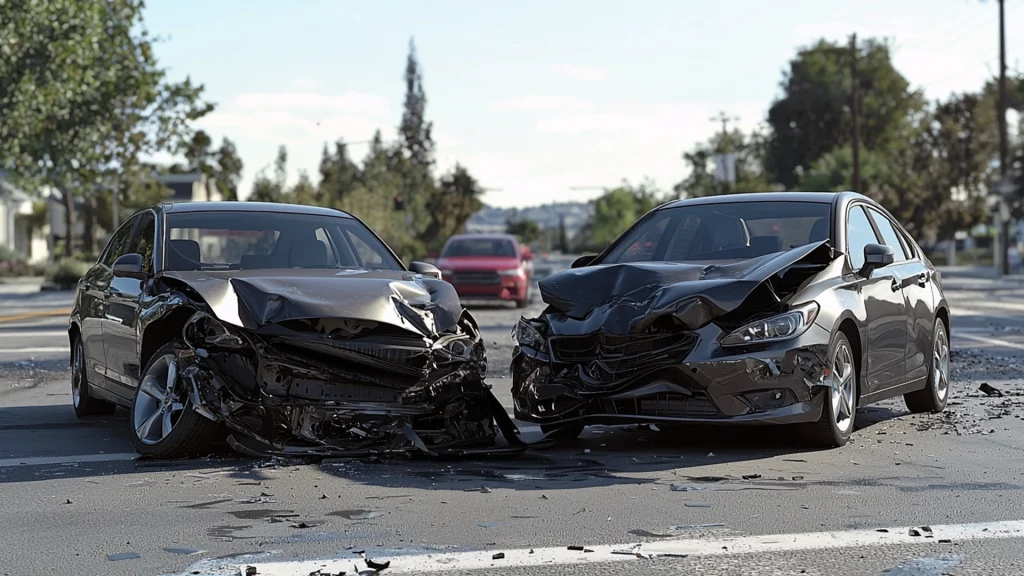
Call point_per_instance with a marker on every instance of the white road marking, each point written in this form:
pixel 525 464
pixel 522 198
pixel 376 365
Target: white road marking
pixel 76 459
pixel 727 546
pixel 39 350
pixel 988 340
pixel 39 333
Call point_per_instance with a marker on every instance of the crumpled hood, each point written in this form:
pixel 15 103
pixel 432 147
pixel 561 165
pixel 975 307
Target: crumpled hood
pixel 626 298
pixel 255 298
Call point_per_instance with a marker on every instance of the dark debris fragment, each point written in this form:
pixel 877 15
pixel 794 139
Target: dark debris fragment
pixel 498 556
pixel 378 566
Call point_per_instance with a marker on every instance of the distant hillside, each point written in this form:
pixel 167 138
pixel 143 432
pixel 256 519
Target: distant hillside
pixel 491 219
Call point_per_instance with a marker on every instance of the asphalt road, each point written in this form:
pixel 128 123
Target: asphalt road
pixel 72 498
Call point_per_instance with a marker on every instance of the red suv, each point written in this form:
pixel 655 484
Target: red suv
pixel 487 266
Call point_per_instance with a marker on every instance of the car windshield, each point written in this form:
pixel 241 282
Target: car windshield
pixel 500 247
pixel 722 232
pixel 263 240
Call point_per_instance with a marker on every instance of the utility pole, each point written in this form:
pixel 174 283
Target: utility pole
pixel 1004 225
pixel 724 119
pixel 855 111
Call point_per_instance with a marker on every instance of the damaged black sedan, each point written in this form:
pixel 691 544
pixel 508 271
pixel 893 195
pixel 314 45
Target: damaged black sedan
pixel 295 330
pixel 771 308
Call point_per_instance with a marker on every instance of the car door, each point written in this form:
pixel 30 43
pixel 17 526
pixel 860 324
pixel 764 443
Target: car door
pixel 121 316
pixel 95 287
pixel 917 296
pixel 884 306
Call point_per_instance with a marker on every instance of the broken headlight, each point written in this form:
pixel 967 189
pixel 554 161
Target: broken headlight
pixel 781 327
pixel 526 335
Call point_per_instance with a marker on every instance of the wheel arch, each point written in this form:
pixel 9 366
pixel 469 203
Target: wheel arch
pixel 74 333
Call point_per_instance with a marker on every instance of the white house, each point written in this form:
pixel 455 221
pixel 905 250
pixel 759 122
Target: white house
pixel 16 232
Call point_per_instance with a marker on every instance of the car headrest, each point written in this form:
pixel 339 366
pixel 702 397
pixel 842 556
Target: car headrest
pixel 819 231
pixel 307 253
pixel 766 244
pixel 183 255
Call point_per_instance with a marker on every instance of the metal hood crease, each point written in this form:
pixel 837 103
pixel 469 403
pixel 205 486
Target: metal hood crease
pixel 329 362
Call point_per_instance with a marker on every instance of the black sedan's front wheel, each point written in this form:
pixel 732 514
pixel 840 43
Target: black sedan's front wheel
pixel 838 414
pixel 164 425
pixel 935 394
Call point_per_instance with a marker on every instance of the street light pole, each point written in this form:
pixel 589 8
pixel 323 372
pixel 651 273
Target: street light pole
pixel 1004 225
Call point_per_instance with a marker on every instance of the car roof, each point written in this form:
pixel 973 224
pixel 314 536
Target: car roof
pixel 815 197
pixel 228 206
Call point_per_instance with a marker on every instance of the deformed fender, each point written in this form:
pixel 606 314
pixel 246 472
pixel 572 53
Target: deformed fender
pixel 627 298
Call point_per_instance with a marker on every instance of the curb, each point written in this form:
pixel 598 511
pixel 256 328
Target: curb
pixel 33 315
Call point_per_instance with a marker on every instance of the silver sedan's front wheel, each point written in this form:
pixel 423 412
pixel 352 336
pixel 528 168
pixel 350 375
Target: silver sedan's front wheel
pixel 164 424
pixel 839 410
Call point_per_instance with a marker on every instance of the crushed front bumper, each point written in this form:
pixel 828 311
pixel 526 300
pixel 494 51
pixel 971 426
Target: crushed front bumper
pixel 778 383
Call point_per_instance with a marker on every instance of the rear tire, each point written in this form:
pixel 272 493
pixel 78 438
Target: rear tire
pixel 85 405
pixel 933 397
pixel 839 412
pixel 570 431
pixel 164 424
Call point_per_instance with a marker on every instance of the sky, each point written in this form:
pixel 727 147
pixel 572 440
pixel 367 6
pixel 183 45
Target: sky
pixel 535 97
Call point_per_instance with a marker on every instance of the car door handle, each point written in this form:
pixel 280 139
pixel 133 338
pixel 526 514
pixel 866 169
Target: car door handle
pixel 922 280
pixel 896 285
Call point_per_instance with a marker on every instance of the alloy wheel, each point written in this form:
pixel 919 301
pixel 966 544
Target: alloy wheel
pixel 844 387
pixel 940 365
pixel 159 405
pixel 77 373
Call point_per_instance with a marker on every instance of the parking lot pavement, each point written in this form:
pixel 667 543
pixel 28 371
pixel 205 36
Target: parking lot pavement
pixel 71 492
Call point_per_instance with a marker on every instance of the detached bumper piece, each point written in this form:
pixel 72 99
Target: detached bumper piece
pixel 328 387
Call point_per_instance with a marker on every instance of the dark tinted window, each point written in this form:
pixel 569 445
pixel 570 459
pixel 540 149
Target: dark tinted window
pixel 501 247
pixel 889 235
pixel 723 232
pixel 264 240
pixel 145 238
pixel 859 234
pixel 118 244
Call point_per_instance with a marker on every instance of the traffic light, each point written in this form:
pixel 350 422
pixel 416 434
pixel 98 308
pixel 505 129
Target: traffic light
pixel 399 203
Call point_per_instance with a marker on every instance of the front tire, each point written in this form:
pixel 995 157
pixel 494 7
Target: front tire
pixel 933 397
pixel 839 413
pixel 164 425
pixel 85 405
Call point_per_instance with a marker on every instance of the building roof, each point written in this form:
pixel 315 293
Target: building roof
pixel 180 178
pixel 11 192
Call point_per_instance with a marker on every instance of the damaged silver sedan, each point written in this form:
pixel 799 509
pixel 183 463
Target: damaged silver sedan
pixel 291 330
pixel 772 308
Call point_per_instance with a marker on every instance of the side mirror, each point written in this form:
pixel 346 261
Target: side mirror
pixel 425 269
pixel 129 266
pixel 583 261
pixel 875 256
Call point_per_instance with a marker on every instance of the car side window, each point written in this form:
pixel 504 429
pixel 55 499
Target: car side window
pixel 889 235
pixel 367 255
pixel 859 234
pixel 118 244
pixel 323 237
pixel 145 239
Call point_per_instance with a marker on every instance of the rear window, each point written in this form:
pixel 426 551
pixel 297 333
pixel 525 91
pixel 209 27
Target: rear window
pixel 501 247
pixel 267 240
pixel 723 232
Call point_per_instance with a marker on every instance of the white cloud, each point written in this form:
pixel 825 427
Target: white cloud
pixel 348 102
pixel 580 73
pixel 544 103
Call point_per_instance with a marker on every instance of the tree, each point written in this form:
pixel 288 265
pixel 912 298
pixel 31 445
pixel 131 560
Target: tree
pixel 229 172
pixel 812 116
pixel 450 205
pixel 415 131
pixel 304 191
pixel 338 175
pixel 81 93
pixel 528 231
pixel 615 211
pixel 750 154
pixel 266 190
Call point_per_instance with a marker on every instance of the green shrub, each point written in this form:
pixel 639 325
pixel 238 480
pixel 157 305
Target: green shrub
pixel 11 264
pixel 67 273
